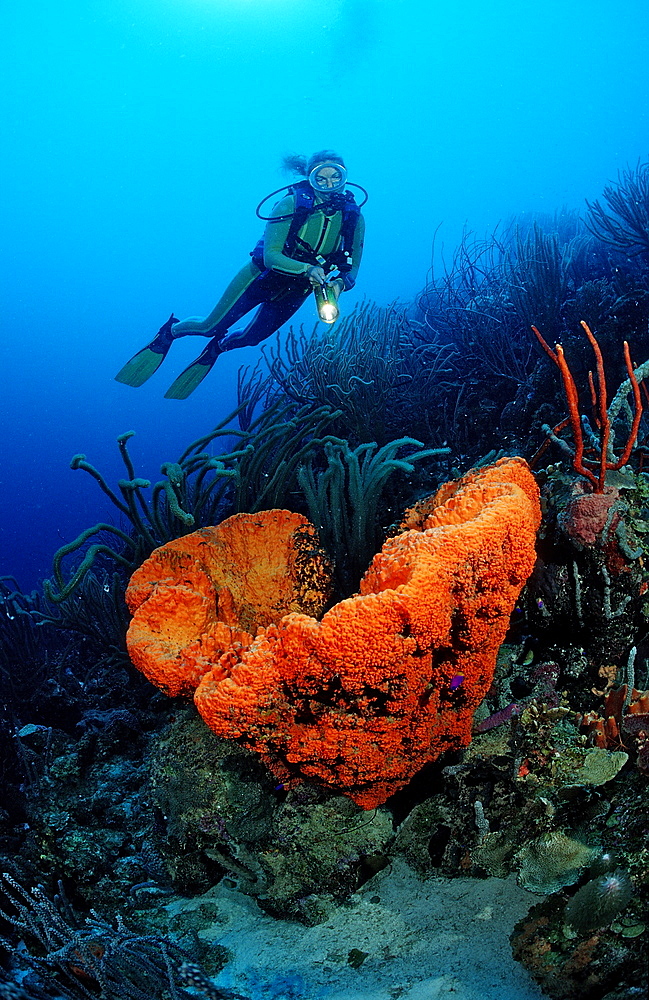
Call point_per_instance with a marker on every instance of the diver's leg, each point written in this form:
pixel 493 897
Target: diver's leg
pixel 242 294
pixel 250 295
pixel 239 297
pixel 268 318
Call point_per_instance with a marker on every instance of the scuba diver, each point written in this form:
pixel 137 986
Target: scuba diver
pixel 313 241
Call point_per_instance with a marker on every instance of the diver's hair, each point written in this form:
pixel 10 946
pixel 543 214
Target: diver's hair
pixel 300 165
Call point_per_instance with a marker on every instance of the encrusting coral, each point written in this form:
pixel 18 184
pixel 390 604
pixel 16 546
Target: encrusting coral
pixel 388 679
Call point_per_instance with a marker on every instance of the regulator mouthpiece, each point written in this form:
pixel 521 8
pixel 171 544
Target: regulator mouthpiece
pixel 327 306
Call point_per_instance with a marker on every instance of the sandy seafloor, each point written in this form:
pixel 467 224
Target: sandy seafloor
pixel 423 938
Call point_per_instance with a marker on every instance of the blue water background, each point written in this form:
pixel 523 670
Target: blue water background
pixel 138 136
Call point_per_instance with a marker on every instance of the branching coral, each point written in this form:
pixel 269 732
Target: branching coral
pixel 624 221
pixel 543 275
pixel 389 679
pixel 602 461
pixel 199 489
pixel 490 292
pixel 96 610
pixel 57 662
pixel 20 641
pixel 87 957
pixel 372 366
pixel 343 499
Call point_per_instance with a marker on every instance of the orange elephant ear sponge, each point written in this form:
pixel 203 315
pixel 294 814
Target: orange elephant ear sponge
pixel 386 680
pixel 209 592
pixel 389 679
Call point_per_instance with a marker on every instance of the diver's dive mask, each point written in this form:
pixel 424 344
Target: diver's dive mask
pixel 328 178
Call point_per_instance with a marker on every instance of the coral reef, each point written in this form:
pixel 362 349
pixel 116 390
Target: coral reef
pixel 598 901
pixel 152 822
pixel 529 797
pixel 374 365
pixel 590 579
pixel 552 861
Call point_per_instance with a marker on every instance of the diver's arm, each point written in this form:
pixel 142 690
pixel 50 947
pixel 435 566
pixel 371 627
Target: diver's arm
pixel 275 236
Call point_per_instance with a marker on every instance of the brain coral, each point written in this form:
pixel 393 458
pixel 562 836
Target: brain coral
pixel 387 680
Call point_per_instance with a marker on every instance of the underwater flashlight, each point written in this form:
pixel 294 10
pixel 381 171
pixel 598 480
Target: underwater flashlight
pixel 326 303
